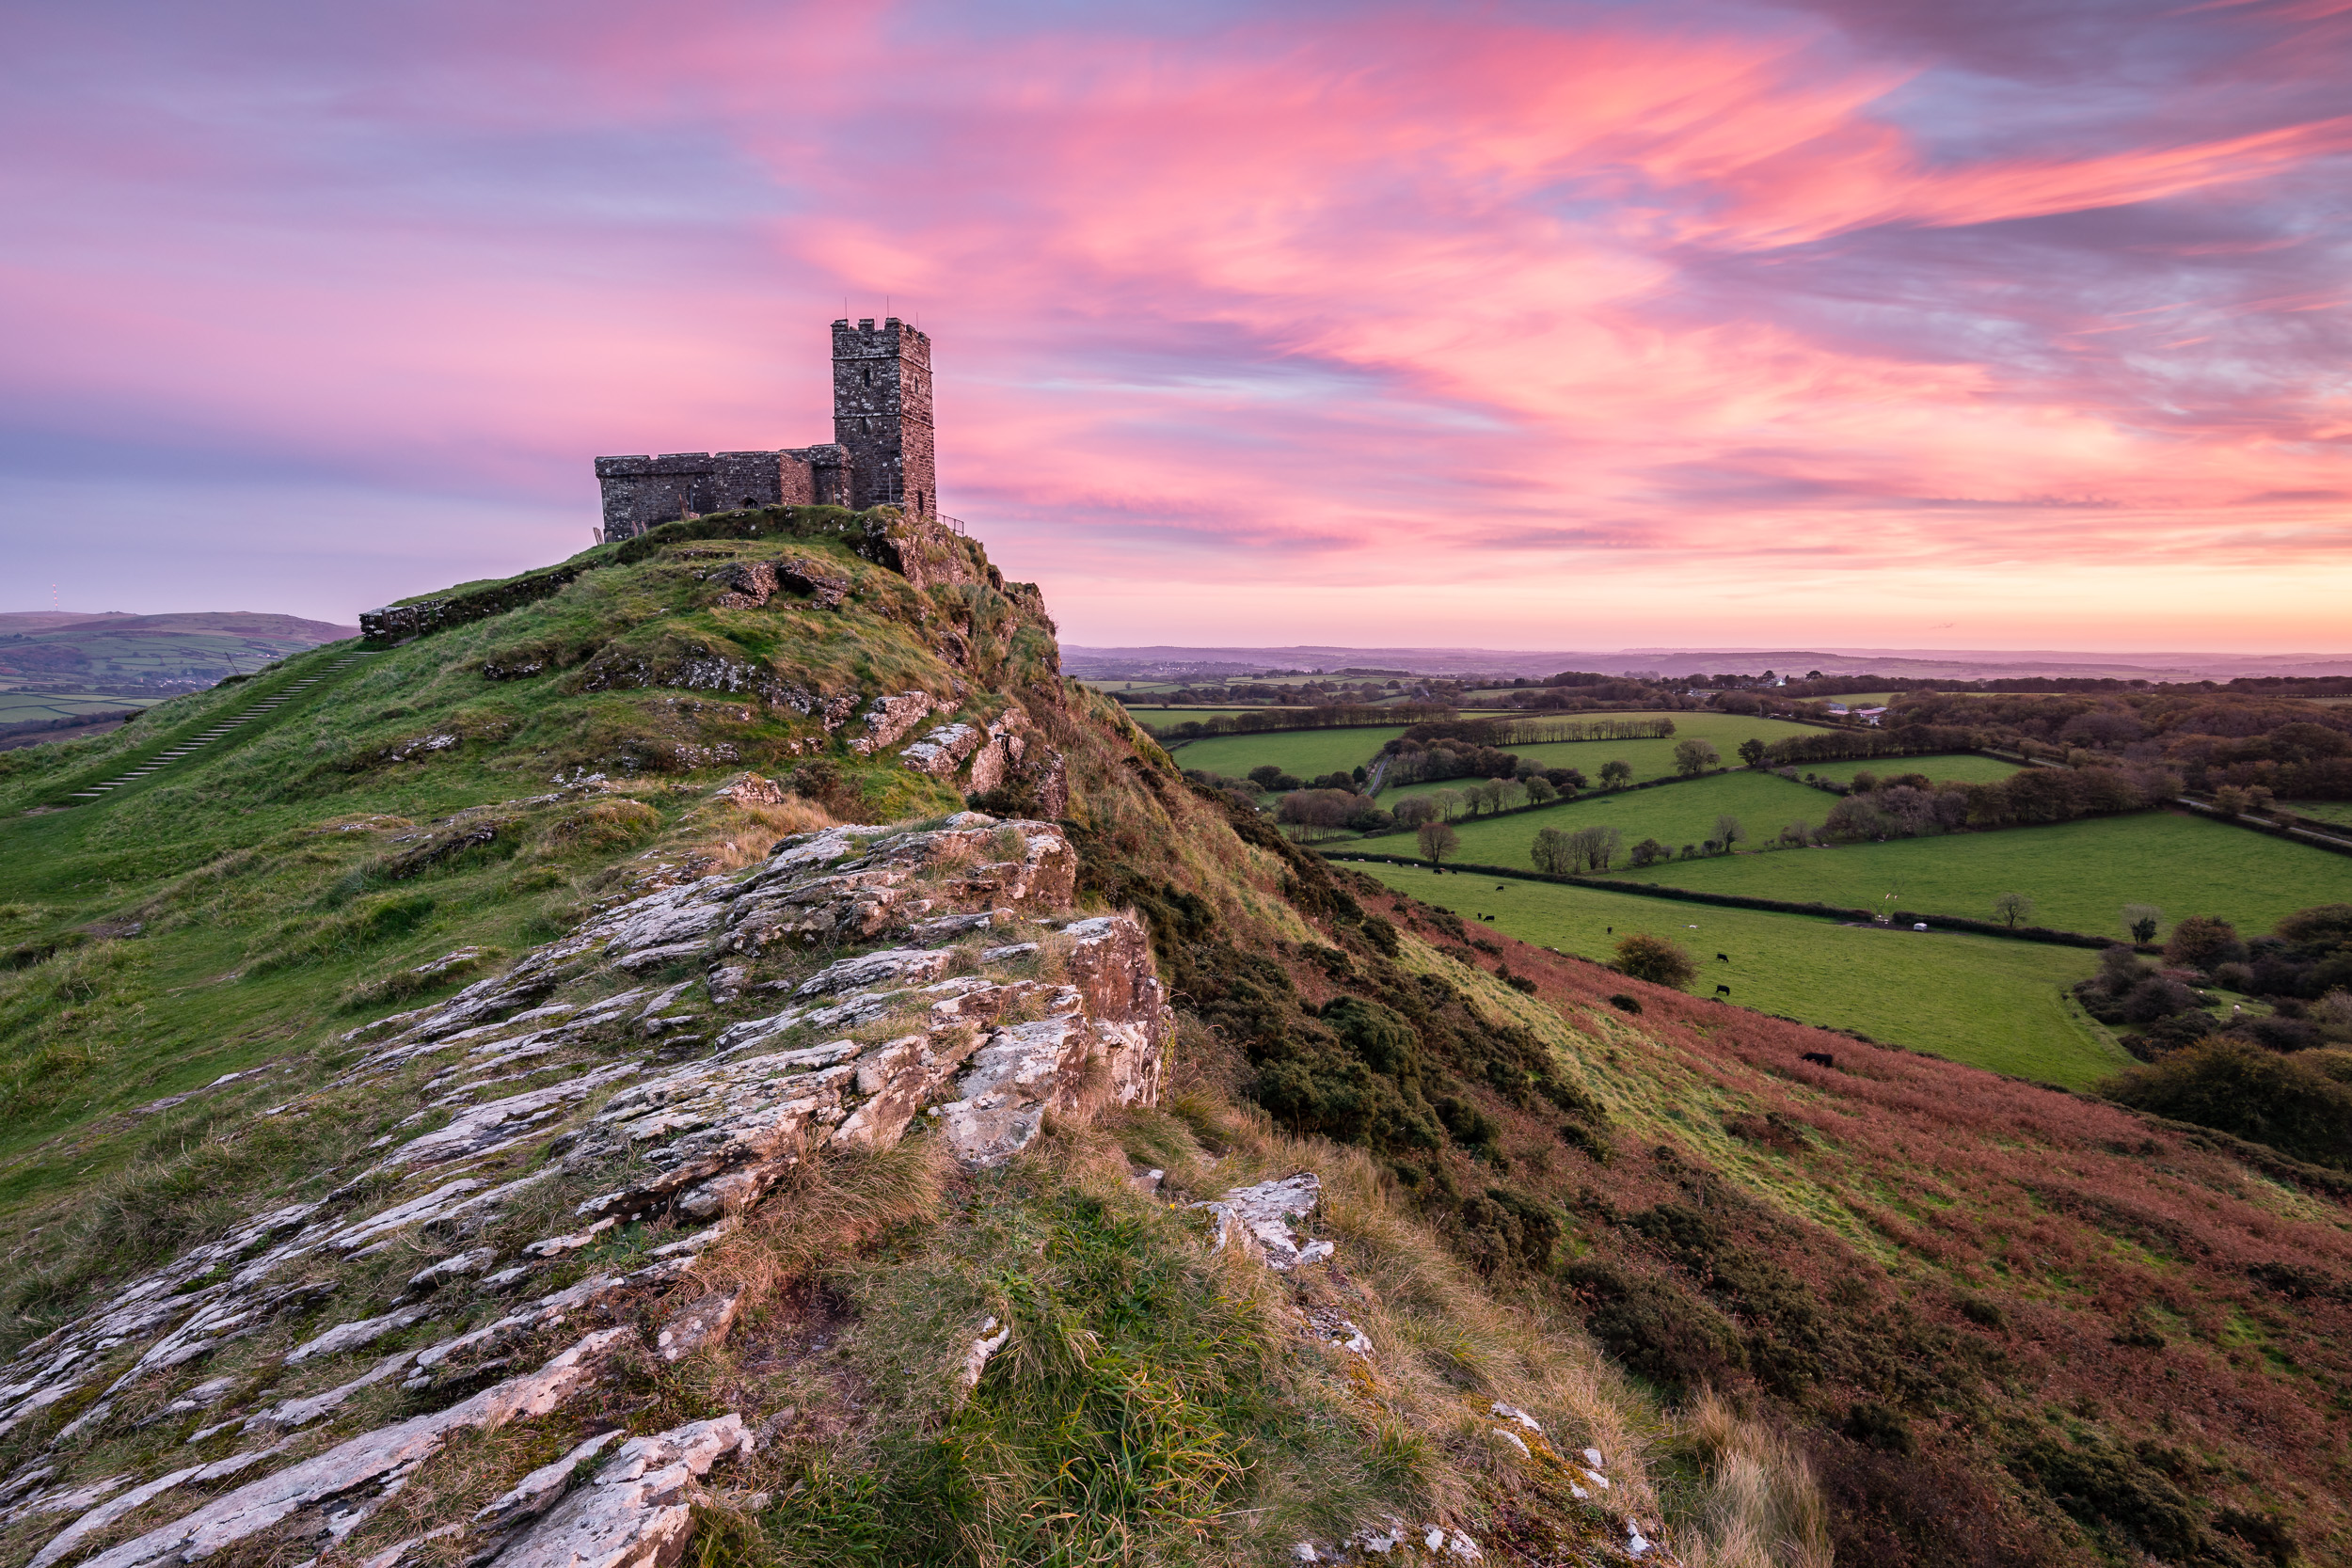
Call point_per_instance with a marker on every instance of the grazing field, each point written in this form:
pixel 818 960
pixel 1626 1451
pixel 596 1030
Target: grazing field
pixel 1159 717
pixel 1985 1001
pixel 1964 767
pixel 2323 811
pixel 24 707
pixel 1676 814
pixel 1655 759
pixel 2078 874
pixel 1305 752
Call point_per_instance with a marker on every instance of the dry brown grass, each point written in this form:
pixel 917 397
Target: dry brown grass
pixel 1759 1507
pixel 826 1210
pixel 728 835
pixel 1446 1347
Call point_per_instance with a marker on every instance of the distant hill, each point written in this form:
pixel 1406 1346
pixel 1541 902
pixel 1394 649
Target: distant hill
pixel 60 667
pixel 241 623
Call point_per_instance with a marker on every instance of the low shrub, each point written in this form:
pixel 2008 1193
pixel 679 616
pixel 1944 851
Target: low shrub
pixel 1643 957
pixel 2299 1106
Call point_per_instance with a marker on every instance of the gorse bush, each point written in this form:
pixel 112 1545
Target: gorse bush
pixel 2300 1104
pixel 1661 962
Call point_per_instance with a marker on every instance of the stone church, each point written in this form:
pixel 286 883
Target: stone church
pixel 879 455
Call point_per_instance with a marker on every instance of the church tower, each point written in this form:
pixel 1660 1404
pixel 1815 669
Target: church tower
pixel 882 411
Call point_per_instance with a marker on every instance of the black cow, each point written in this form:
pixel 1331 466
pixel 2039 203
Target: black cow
pixel 1499 887
pixel 1820 1058
pixel 1724 957
pixel 1723 990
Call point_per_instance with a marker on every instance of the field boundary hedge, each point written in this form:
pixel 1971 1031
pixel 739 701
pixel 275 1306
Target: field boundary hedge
pixel 2313 837
pixel 1772 906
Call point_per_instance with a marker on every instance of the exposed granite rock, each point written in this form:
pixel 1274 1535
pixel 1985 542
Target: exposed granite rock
pixel 637 1510
pixel 306 1488
pixel 543 1487
pixel 1060 1017
pixel 701 1322
pixel 941 752
pixel 889 719
pixel 1258 1219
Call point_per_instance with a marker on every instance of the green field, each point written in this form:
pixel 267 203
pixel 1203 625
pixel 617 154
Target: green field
pixel 1965 767
pixel 1986 1001
pixel 2322 811
pixel 1305 752
pixel 23 707
pixel 1675 815
pixel 2078 874
pixel 1652 759
pixel 1160 718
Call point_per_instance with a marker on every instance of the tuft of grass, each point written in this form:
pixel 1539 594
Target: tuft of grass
pixel 1758 1505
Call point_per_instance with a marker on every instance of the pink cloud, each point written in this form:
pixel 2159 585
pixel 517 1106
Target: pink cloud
pixel 1446 310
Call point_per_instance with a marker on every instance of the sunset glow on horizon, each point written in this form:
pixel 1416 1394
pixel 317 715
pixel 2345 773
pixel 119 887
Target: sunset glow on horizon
pixel 1522 327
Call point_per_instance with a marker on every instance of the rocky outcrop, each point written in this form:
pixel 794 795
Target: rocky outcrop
pixel 889 718
pixel 1258 1220
pixel 750 584
pixel 637 1510
pixel 331 1485
pixel 952 989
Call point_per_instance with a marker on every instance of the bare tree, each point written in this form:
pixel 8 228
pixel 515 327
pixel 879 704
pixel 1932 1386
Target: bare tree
pixel 2012 907
pixel 1438 840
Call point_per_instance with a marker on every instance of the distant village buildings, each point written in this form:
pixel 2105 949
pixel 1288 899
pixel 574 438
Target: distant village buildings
pixel 881 453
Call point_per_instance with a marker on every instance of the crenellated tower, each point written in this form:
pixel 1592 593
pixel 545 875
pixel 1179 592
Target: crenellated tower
pixel 882 412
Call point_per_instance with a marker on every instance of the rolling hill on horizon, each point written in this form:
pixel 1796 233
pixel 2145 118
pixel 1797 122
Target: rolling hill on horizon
pixel 62 671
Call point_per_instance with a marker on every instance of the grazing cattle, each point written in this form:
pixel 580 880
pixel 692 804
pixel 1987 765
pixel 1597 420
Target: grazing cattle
pixel 1499 887
pixel 1723 990
pixel 1724 957
pixel 1820 1058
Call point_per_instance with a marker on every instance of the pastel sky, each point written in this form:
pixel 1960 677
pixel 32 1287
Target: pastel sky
pixel 1547 326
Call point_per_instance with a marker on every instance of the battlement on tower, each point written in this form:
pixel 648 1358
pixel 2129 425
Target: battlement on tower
pixel 881 453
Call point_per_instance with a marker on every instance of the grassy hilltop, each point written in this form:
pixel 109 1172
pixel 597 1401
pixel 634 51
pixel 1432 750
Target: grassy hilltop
pixel 1892 1310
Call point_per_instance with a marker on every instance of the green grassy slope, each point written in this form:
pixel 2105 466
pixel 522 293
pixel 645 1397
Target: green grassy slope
pixel 263 873
pixel 249 905
pixel 2078 874
pixel 1981 1000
